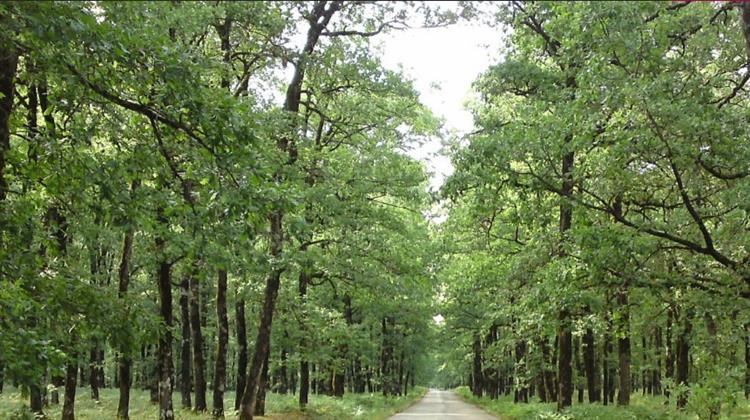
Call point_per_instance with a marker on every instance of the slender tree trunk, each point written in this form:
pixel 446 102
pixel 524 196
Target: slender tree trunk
pixel 549 374
pixel 646 371
pixel 164 282
pixel 564 362
pixel 683 356
pixel 263 340
pixel 606 351
pixel 747 360
pixel 241 350
pixel 283 376
pixel 35 400
pixel 93 373
pixel 579 368
pixel 304 366
pixel 656 373
pixel 71 375
pixel 589 362
pixel 623 348
pixel 125 362
pixel 199 362
pixel 669 362
pixel 186 376
pixel 564 333
pixel 220 371
pixel 476 373
pixel 260 404
pixel 521 393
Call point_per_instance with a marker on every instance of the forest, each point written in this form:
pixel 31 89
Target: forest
pixel 212 209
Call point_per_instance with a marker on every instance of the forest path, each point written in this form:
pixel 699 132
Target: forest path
pixel 442 405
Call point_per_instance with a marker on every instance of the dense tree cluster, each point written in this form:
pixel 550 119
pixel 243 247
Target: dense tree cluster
pixel 195 196
pixel 597 242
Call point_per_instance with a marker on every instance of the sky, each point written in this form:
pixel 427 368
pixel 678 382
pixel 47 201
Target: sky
pixel 443 62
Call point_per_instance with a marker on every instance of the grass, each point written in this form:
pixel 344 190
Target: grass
pixel 352 406
pixel 641 408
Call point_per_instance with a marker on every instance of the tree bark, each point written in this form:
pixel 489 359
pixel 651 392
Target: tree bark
pixel 220 370
pixel 608 371
pixel 199 361
pixel 476 374
pixel 93 372
pixel 260 404
pixel 564 333
pixel 186 376
pixel 589 362
pixel 263 339
pixel 656 373
pixel 579 368
pixel 521 393
pixel 125 362
pixel 71 375
pixel 669 362
pixel 623 348
pixel 35 400
pixel 683 357
pixel 239 309
pixel 304 366
pixel 283 386
pixel 164 282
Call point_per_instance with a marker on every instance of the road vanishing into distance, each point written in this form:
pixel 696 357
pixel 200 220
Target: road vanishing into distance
pixel 443 405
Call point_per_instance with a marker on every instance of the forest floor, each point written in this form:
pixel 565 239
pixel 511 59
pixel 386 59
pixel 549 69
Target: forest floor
pixel 641 407
pixel 351 406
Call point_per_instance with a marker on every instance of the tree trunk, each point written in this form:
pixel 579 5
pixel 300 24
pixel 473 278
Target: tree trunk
pixel 125 362
pixel 549 374
pixel 579 368
pixel 199 361
pixel 283 376
pixel 241 350
pixel 35 400
pixel 589 362
pixel 304 366
pixel 623 347
pixel 669 362
pixel 521 393
pixel 564 362
pixel 564 333
pixel 645 370
pixel 476 373
pixel 747 360
pixel 263 340
pixel 71 375
pixel 607 380
pixel 656 372
pixel 220 370
pixel 186 377
pixel 260 404
pixel 164 281
pixel 683 357
pixel 93 373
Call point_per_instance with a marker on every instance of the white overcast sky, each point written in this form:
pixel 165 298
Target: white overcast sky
pixel 443 62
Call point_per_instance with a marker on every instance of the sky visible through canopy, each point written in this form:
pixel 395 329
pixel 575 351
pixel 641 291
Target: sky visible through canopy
pixel 443 62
